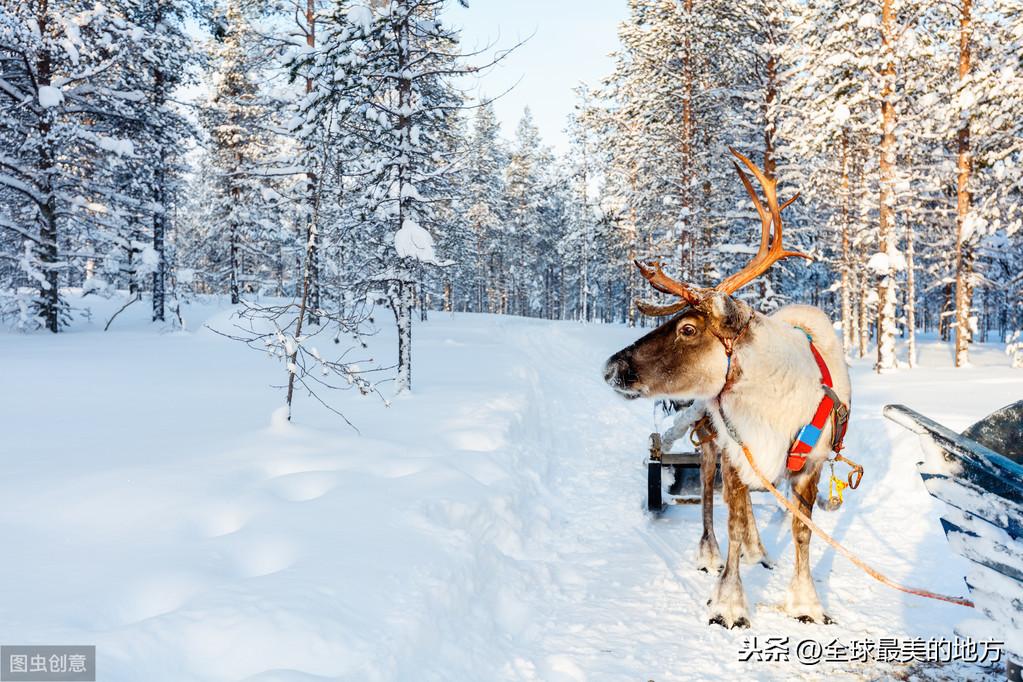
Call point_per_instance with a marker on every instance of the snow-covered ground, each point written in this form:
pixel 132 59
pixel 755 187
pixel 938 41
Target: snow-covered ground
pixel 490 526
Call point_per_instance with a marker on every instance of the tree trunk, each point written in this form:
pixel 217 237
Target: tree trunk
pixel 910 298
pixel 48 303
pixel 685 254
pixel 965 168
pixel 401 298
pixel 770 92
pixel 847 315
pixel 584 281
pixel 401 290
pixel 46 251
pixel 864 325
pixel 984 327
pixel 886 305
pixel 233 265
pixel 159 194
pixel 424 301
pixel 312 195
pixel 306 288
pixel 159 235
pixel 946 310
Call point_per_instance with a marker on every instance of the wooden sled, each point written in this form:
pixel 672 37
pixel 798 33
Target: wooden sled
pixel 687 467
pixel 686 486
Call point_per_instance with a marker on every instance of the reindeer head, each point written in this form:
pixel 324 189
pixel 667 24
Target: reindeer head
pixel 687 356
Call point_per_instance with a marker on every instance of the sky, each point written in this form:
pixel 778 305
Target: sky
pixel 570 43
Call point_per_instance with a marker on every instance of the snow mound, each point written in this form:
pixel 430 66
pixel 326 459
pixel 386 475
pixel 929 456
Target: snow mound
pixel 841 115
pixel 412 241
pixel 50 96
pixel 361 16
pixel 881 262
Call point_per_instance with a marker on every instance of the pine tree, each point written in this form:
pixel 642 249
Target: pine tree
pixel 522 228
pixel 392 66
pixel 236 120
pixel 484 172
pixel 160 69
pixel 70 100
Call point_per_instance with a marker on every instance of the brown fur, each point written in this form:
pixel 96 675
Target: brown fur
pixel 667 362
pixel 686 358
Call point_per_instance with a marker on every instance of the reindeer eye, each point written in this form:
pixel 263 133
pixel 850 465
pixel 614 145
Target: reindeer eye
pixel 687 330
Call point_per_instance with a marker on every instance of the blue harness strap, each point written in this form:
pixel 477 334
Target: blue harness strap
pixel 810 434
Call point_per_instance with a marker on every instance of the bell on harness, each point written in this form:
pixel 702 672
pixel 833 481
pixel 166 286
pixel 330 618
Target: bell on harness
pixel 835 485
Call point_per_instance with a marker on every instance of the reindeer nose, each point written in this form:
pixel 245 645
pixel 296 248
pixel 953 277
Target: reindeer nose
pixel 611 371
pixel 618 371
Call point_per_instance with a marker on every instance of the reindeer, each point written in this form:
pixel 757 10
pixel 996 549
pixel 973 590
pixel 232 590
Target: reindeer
pixel 778 382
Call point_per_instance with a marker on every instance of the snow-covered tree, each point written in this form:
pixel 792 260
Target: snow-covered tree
pixel 236 118
pixel 393 66
pixel 483 169
pixel 162 65
pixel 71 98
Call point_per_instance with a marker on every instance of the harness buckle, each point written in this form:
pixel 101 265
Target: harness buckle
pixel 839 418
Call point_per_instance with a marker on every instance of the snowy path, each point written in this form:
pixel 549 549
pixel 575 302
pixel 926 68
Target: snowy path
pixel 488 527
pixel 635 608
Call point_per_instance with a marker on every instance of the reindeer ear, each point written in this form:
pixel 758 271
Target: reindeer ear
pixel 729 314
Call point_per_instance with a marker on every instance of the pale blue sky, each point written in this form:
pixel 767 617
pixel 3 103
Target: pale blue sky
pixel 571 44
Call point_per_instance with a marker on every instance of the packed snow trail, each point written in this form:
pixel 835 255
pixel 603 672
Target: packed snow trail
pixel 489 526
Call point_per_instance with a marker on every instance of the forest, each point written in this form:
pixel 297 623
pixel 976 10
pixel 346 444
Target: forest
pixel 324 162
pixel 334 340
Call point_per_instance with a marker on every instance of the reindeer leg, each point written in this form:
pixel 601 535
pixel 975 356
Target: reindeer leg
pixel 802 602
pixel 709 557
pixel 752 548
pixel 728 602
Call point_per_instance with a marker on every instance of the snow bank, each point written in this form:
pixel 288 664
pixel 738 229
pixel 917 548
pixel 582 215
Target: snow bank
pixel 489 526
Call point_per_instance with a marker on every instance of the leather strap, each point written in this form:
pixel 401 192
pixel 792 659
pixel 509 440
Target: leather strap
pixel 830 407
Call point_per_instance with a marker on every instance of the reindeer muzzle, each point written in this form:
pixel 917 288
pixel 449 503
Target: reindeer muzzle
pixel 620 375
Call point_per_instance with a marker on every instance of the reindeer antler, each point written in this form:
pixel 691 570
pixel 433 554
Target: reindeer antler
pixel 653 273
pixel 769 252
pixel 666 285
pixel 766 255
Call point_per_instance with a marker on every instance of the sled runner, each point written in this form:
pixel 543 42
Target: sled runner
pixel 980 475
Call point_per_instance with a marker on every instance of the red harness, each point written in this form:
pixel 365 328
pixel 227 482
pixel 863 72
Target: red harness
pixel 830 407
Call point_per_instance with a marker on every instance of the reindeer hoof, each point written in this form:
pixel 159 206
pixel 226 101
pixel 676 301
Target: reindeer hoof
pixel 742 623
pixel 708 559
pixel 728 605
pixel 825 619
pixel 757 556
